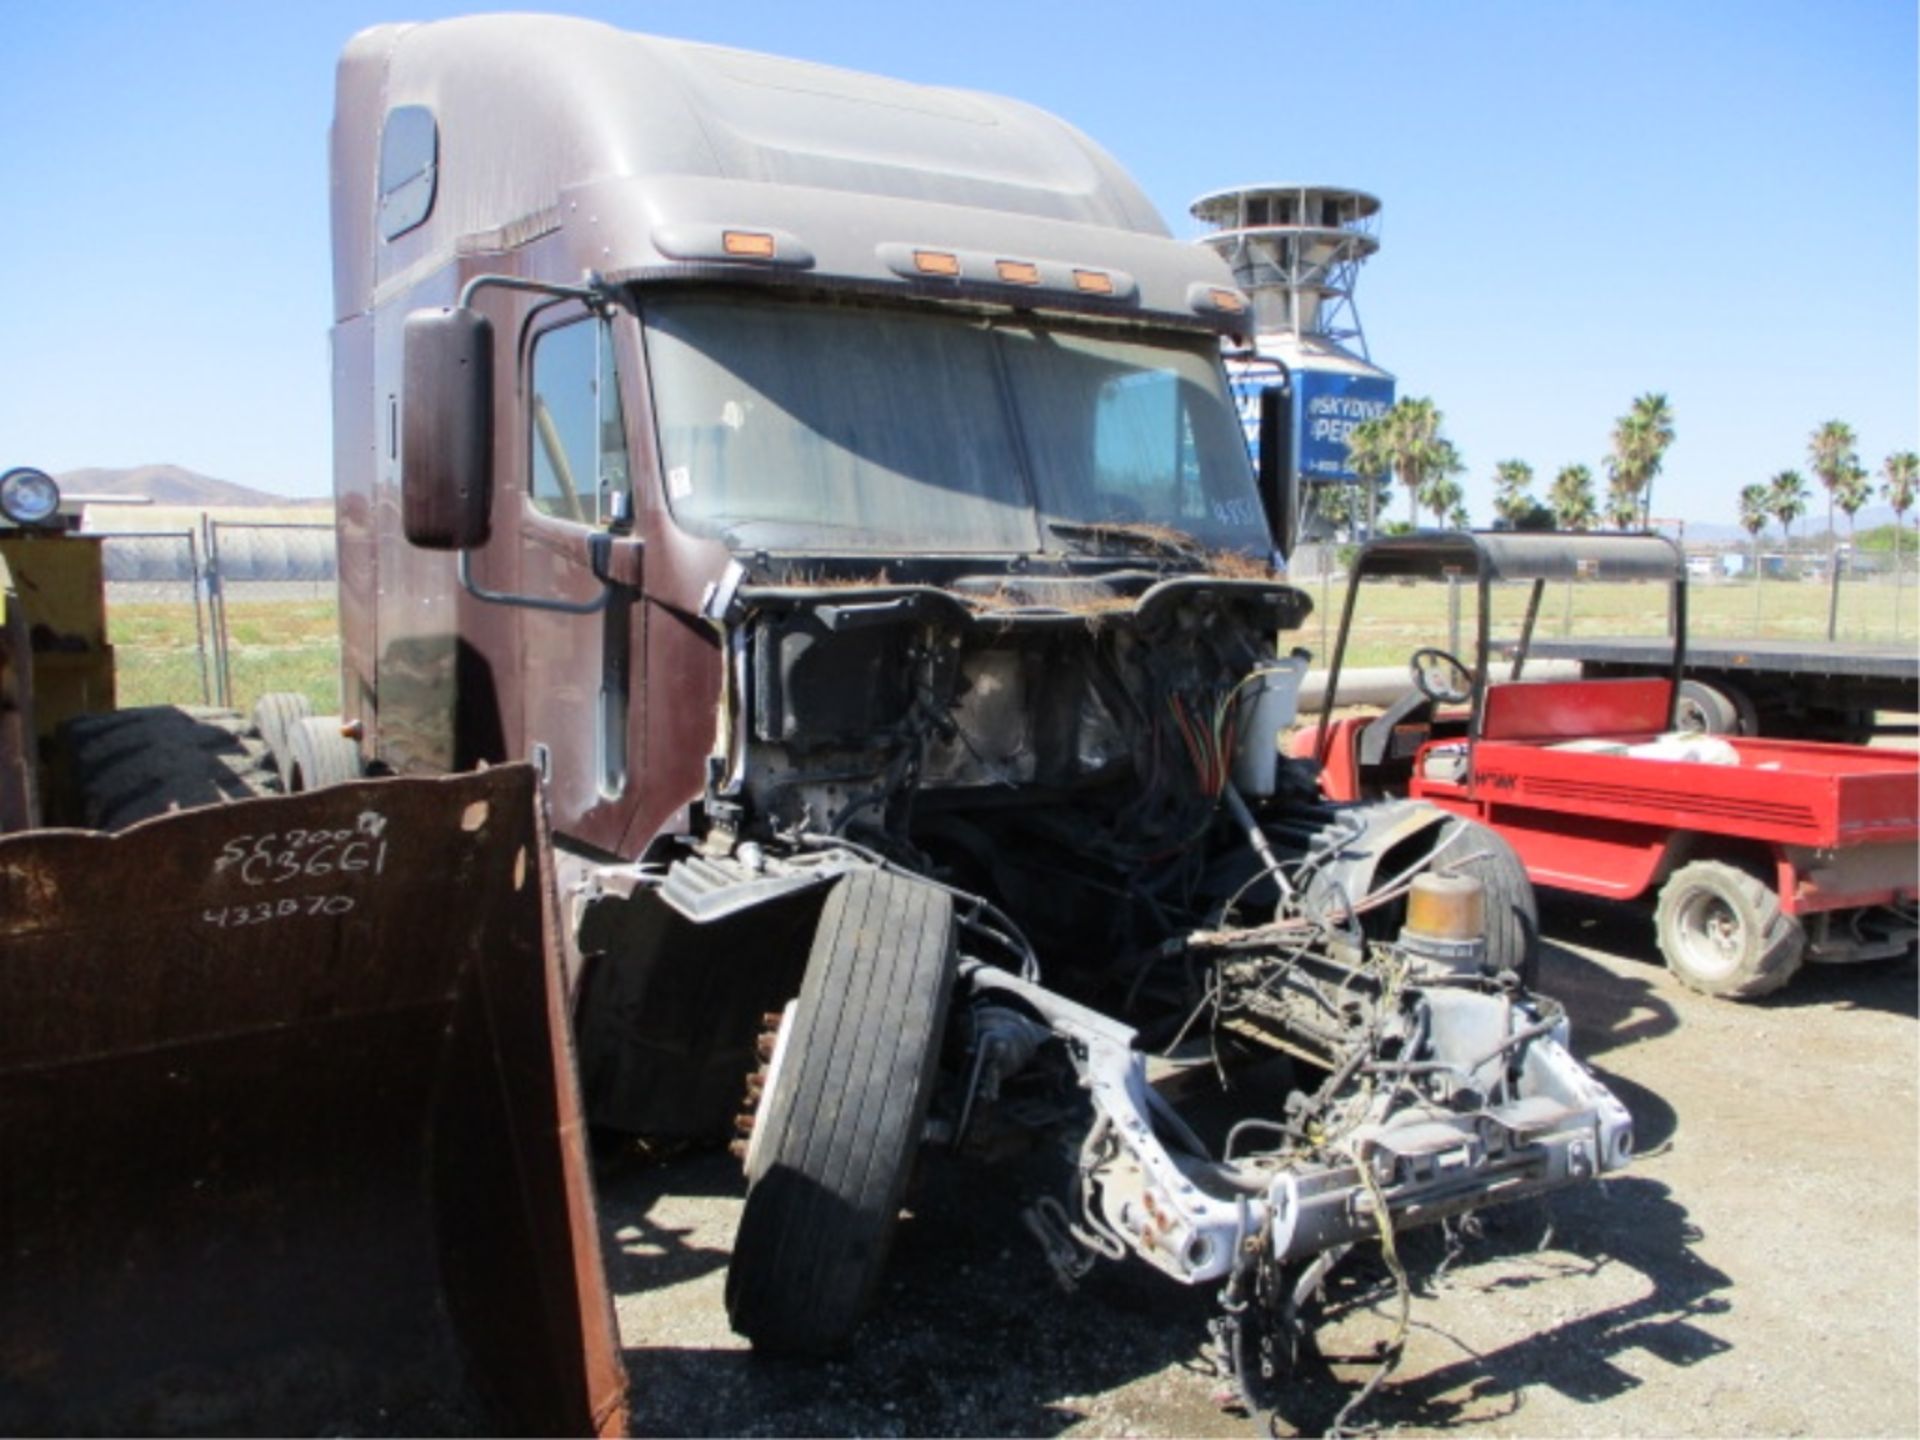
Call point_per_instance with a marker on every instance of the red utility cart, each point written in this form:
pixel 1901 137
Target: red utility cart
pixel 1763 853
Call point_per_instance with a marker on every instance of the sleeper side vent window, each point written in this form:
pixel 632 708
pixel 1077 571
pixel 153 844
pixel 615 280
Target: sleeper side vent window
pixel 409 169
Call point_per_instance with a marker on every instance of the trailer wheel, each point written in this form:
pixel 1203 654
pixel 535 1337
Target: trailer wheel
pixel 134 764
pixel 1723 932
pixel 274 716
pixel 1513 917
pixel 318 755
pixel 840 1120
pixel 1706 711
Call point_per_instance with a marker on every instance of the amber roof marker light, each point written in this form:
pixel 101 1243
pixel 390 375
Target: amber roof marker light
pixel 749 244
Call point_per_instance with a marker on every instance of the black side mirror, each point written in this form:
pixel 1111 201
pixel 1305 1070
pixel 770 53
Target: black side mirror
pixel 446 439
pixel 1279 486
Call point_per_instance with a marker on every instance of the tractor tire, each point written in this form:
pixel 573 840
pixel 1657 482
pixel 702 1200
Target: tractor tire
pixel 274 716
pixel 841 1115
pixel 134 764
pixel 1703 710
pixel 1723 932
pixel 318 755
pixel 1513 916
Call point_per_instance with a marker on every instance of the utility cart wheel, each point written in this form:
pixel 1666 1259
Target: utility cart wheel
pixel 318 755
pixel 841 1113
pixel 1723 932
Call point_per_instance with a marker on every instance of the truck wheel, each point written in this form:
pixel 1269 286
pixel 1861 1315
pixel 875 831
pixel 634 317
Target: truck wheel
pixel 134 764
pixel 273 716
pixel 1723 932
pixel 1513 917
pixel 841 1115
pixel 1706 711
pixel 318 755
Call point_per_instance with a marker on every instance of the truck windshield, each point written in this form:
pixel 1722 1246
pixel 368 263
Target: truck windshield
pixel 853 429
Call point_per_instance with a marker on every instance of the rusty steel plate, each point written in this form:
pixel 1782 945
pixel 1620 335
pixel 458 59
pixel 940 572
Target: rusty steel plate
pixel 291 1129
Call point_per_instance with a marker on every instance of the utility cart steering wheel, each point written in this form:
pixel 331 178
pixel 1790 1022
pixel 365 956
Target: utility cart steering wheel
pixel 1440 675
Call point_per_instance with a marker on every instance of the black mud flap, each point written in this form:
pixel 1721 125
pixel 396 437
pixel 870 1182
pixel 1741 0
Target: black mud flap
pixel 290 1134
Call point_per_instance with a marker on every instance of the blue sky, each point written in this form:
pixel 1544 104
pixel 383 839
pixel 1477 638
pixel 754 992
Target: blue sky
pixel 1582 201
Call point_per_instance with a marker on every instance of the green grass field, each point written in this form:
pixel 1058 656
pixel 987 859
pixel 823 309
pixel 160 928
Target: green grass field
pixel 293 645
pixel 1394 618
pixel 274 644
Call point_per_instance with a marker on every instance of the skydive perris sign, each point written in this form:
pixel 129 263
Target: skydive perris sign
pixel 1330 405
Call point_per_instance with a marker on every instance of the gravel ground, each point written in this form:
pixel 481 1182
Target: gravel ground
pixel 1755 1272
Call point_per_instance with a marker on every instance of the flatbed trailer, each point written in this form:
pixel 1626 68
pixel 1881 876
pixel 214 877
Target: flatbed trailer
pixel 1794 689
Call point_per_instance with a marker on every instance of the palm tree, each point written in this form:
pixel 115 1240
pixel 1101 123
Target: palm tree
pixel 1901 471
pixel 1623 506
pixel 1787 498
pixel 1370 456
pixel 1440 491
pixel 1831 458
pixel 1413 428
pixel 1755 511
pixel 1850 494
pixel 1512 479
pixel 1654 432
pixel 1572 498
pixel 1640 441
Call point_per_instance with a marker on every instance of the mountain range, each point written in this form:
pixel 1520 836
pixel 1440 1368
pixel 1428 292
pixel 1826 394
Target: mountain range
pixel 170 485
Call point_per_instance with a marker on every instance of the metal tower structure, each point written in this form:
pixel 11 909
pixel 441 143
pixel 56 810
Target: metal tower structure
pixel 1297 250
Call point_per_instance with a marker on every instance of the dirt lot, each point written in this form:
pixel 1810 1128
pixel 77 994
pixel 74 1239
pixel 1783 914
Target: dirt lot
pixel 1755 1273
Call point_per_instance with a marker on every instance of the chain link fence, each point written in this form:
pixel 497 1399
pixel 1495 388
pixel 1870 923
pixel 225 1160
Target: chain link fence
pixel 223 612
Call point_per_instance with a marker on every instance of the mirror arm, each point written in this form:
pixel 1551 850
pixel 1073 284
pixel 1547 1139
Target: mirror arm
pixel 596 294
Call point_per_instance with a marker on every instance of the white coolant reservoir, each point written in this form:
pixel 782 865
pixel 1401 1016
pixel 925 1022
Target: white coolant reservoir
pixel 1267 708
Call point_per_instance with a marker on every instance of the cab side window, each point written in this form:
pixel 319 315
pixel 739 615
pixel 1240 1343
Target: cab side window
pixel 579 461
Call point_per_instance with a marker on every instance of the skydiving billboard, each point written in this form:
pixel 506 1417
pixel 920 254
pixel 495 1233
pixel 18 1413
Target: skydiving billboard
pixel 1328 405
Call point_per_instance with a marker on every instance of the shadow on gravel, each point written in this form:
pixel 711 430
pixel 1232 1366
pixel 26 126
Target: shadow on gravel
pixel 1889 986
pixel 641 1254
pixel 1573 1237
pixel 970 1334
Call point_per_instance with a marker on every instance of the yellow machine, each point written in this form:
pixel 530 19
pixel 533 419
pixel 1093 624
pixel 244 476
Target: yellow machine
pixel 55 662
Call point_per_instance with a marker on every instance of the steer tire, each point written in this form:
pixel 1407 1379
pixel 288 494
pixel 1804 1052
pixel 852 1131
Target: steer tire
pixel 1723 932
pixel 274 716
pixel 841 1119
pixel 318 755
pixel 131 765
pixel 1513 916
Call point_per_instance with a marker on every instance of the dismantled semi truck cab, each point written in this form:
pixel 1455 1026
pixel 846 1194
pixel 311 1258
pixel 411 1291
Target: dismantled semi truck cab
pixel 832 486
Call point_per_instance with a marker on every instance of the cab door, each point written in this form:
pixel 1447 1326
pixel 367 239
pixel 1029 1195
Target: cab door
pixel 580 671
